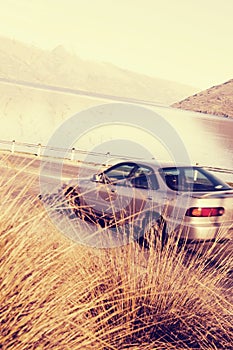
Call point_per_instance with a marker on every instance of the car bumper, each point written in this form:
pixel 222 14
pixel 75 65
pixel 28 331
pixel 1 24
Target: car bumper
pixel 197 232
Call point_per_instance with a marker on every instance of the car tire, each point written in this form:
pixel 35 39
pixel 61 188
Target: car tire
pixel 74 202
pixel 154 233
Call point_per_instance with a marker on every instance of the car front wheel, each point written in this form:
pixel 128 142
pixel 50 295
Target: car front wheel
pixel 73 201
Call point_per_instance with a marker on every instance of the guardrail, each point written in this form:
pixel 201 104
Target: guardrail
pixel 73 154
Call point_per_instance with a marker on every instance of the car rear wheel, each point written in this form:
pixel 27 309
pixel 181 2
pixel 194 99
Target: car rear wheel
pixel 154 233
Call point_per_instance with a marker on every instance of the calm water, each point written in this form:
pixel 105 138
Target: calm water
pixel 207 139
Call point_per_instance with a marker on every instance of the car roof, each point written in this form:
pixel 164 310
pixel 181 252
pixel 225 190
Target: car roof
pixel 153 163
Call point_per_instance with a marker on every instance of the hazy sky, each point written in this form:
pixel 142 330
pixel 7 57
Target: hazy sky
pixel 188 41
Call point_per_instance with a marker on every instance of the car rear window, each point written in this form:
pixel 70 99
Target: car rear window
pixel 193 179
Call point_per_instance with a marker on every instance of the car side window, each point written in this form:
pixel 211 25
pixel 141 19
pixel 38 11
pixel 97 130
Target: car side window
pixel 175 178
pixel 144 178
pixel 120 172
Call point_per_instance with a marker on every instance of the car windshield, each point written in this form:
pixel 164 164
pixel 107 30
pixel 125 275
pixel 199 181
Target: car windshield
pixel 191 179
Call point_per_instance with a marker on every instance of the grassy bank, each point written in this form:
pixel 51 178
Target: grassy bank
pixel 56 294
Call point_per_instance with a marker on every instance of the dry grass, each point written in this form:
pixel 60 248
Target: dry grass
pixel 56 294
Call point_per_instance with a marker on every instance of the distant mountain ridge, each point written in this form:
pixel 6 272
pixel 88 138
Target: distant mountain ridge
pixel 61 68
pixel 217 100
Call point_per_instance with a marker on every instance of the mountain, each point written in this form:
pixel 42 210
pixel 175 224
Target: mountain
pixel 217 100
pixel 61 68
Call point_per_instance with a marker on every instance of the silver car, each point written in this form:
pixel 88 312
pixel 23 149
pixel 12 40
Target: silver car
pixel 186 200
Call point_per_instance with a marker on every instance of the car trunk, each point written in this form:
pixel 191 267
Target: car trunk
pixel 217 199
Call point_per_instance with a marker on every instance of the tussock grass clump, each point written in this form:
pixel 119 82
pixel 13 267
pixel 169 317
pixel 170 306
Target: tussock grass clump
pixel 56 294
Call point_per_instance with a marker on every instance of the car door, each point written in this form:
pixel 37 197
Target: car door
pixel 146 189
pixel 139 194
pixel 117 193
pixel 105 193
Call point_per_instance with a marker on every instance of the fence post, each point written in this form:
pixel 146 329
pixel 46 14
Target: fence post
pixel 13 147
pixel 72 154
pixel 39 150
pixel 107 156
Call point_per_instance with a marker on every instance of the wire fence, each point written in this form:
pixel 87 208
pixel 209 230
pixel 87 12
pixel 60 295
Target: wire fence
pixel 75 155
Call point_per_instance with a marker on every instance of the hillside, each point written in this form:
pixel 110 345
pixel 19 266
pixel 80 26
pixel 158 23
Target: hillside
pixel 61 68
pixel 217 100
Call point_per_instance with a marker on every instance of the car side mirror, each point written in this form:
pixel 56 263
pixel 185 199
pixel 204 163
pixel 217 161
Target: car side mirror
pixel 97 178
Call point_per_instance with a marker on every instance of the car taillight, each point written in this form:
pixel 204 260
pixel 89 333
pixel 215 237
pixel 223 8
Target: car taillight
pixel 204 212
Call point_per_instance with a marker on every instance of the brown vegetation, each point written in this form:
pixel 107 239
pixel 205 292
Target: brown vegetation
pixel 57 294
pixel 217 100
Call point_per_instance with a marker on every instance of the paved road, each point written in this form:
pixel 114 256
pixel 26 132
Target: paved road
pixel 86 233
pixel 49 168
pixel 22 168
